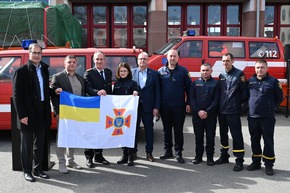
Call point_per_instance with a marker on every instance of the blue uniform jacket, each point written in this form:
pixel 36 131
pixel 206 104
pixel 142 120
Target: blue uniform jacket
pixel 205 95
pixel 233 91
pixel 173 87
pixel 265 95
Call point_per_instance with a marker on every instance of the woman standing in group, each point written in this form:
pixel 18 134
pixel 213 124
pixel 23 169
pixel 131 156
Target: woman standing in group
pixel 125 86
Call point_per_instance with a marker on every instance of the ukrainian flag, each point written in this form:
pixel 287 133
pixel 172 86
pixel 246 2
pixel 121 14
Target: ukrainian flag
pixel 79 108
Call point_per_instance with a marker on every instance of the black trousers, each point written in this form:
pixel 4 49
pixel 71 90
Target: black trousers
pixel 232 122
pixel 207 126
pixel 259 127
pixel 173 117
pixel 90 153
pixel 32 147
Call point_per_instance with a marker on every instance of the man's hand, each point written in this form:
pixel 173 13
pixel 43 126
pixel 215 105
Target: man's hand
pixel 102 92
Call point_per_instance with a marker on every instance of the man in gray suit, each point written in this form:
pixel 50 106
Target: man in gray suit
pixel 149 102
pixel 67 80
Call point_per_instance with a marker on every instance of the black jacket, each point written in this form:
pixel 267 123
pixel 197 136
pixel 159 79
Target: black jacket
pixel 95 82
pixel 205 95
pixel 264 96
pixel 124 87
pixel 26 95
pixel 233 91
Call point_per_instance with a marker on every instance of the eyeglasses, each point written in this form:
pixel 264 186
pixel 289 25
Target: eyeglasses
pixel 143 59
pixel 36 53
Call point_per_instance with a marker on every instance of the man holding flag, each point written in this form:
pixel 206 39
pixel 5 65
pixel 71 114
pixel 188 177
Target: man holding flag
pixel 67 80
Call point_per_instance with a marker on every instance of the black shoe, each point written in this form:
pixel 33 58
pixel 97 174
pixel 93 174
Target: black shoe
pixel 150 157
pixel 90 163
pixel 222 160
pixel 197 160
pixel 130 162
pixel 179 159
pixel 209 161
pixel 29 177
pixel 41 174
pixel 100 159
pixel 135 156
pixel 269 171
pixel 238 167
pixel 166 156
pixel 254 166
pixel 123 160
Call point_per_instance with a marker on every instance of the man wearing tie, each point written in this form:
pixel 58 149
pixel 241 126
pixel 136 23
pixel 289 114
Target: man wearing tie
pixel 149 102
pixel 98 81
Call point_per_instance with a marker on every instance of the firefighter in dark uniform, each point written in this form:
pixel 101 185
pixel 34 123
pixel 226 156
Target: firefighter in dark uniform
pixel 174 84
pixel 204 101
pixel 233 94
pixel 265 94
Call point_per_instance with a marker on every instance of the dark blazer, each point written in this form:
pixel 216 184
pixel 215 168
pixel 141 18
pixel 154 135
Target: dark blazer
pixel 26 95
pixel 150 93
pixel 95 82
pixel 61 80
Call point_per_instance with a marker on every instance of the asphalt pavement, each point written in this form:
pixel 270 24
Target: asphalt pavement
pixel 160 176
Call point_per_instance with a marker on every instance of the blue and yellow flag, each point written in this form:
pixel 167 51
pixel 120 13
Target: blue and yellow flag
pixel 79 108
pixel 97 122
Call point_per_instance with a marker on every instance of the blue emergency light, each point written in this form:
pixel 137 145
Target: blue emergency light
pixel 26 43
pixel 190 32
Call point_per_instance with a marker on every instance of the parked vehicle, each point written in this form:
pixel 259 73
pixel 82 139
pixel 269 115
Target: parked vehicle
pixel 195 50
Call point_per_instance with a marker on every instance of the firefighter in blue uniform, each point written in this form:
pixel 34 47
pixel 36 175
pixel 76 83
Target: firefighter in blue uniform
pixel 233 94
pixel 174 83
pixel 265 94
pixel 204 101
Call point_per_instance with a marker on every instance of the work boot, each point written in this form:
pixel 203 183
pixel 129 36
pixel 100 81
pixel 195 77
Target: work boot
pixel 223 159
pixel 124 158
pixel 210 161
pixel 197 160
pixel 130 160
pixel 269 170
pixel 254 166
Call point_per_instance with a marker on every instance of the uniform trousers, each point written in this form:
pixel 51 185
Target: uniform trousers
pixel 232 122
pixel 259 127
pixel 202 126
pixel 173 116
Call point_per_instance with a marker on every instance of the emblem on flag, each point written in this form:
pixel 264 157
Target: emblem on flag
pixel 118 122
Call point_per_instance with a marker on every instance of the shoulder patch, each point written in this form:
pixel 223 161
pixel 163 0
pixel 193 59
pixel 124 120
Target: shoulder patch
pixel 243 78
pixel 280 85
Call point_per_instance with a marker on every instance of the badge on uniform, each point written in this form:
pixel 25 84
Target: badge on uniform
pixel 243 79
pixel 280 85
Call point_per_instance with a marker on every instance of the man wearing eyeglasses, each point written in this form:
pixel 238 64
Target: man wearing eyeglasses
pixel 31 97
pixel 149 102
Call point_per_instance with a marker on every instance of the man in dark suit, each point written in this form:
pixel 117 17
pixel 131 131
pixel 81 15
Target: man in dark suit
pixel 31 97
pixel 149 103
pixel 98 81
pixel 67 80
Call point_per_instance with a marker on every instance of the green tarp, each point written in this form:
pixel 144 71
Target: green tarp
pixel 26 20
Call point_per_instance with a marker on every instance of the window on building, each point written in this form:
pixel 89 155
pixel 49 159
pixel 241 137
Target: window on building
pixel 205 19
pixel 285 24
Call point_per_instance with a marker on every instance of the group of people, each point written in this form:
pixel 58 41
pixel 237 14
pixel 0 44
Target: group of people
pixel 168 92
